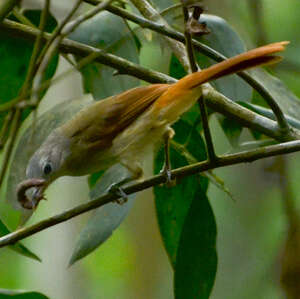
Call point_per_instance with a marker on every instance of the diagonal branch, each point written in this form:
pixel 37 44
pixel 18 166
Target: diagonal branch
pixel 226 160
pixel 149 12
pixel 214 99
pixel 209 52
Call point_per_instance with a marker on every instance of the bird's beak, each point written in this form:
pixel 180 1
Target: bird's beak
pixel 37 187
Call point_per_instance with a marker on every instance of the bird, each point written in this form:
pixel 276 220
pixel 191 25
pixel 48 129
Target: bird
pixel 123 128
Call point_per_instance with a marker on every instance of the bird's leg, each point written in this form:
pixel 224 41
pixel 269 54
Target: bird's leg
pixel 135 171
pixel 166 170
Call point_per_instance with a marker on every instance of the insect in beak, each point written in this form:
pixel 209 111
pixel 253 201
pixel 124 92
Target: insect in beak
pixel 38 186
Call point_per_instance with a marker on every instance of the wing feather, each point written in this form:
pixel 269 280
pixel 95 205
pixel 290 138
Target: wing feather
pixel 98 124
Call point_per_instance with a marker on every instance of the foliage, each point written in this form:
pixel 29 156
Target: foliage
pixel 184 212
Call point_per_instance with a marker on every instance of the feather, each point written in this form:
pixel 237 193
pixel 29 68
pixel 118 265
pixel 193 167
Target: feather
pixel 98 124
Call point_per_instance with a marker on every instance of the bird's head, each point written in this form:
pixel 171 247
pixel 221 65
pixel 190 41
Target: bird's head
pixel 47 164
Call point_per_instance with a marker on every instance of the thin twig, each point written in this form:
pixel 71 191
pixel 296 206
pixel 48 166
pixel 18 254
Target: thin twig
pixel 57 31
pixel 170 8
pixel 226 160
pixel 188 41
pixel 211 154
pixel 207 51
pixel 6 6
pixel 148 11
pixel 20 17
pixel 36 49
pixel 214 100
pixel 5 127
pixel 16 122
pixel 71 26
pixel 66 30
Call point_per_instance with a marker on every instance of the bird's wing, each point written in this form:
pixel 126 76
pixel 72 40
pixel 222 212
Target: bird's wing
pixel 98 124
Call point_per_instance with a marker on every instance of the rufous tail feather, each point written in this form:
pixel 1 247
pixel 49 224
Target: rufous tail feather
pixel 256 57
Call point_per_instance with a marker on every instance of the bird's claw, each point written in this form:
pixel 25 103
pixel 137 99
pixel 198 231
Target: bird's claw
pixel 116 189
pixel 168 175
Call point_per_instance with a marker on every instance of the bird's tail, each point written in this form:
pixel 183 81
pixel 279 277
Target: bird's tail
pixel 256 57
pixel 182 95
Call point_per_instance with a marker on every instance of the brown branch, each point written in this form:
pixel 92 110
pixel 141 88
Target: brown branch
pixel 214 100
pixel 211 154
pixel 209 52
pixel 226 160
pixel 149 12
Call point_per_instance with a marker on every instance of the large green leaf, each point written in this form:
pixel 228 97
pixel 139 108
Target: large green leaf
pixel 196 262
pixel 270 114
pixel 172 204
pixel 15 53
pixel 110 33
pixel 225 40
pixel 18 247
pixel 288 102
pixel 31 136
pixel 20 294
pixel 105 219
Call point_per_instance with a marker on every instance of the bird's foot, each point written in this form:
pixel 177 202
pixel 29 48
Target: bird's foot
pixel 166 171
pixel 116 189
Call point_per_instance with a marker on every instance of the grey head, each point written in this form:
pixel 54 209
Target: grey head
pixel 49 161
pixel 47 164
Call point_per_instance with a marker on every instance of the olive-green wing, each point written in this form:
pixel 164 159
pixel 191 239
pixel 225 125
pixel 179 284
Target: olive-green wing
pixel 98 124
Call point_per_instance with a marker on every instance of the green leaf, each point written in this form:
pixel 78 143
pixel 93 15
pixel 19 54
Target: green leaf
pixel 176 69
pixel 105 219
pixel 97 78
pixel 196 262
pixel 232 130
pixel 19 294
pixel 172 204
pixel 31 137
pixel 270 114
pixel 18 247
pixel 288 102
pixel 93 178
pixel 225 40
pixel 14 60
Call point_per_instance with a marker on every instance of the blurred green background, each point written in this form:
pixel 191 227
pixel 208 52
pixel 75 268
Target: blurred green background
pixel 252 228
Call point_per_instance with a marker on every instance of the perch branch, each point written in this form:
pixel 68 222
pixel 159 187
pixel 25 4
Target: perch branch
pixel 226 160
pixel 207 51
pixel 214 100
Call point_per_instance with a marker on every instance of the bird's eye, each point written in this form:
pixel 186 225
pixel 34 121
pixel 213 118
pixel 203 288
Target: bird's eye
pixel 47 168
